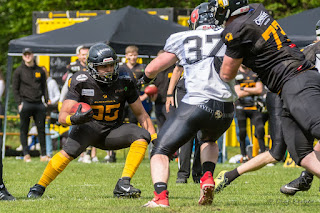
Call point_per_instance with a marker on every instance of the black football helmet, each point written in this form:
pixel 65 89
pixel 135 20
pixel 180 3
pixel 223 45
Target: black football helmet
pixel 102 54
pixel 201 16
pixel 224 9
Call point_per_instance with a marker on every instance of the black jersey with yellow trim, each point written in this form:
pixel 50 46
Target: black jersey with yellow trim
pixel 106 100
pixel 249 80
pixel 264 46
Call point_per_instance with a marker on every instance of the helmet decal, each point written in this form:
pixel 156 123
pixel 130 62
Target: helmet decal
pixel 194 16
pixel 202 17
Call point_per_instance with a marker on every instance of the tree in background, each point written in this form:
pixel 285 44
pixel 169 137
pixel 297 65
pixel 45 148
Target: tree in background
pixel 16 15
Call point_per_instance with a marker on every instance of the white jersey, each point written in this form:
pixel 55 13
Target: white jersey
pixel 197 51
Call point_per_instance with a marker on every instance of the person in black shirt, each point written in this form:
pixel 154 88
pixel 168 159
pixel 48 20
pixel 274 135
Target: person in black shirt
pixel 248 87
pixel 255 39
pixel 162 83
pixel 106 90
pixel 137 70
pixel 29 86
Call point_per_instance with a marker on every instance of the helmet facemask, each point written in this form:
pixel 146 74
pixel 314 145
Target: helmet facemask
pixel 108 77
pixel 224 9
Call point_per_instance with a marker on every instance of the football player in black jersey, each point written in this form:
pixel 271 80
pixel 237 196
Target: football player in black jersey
pixel 106 90
pixel 303 183
pixel 278 150
pixel 255 39
pixel 248 87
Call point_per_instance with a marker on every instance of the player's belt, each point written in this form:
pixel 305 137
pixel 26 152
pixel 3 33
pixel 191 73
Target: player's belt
pixel 217 113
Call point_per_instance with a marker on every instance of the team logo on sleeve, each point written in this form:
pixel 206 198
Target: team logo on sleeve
pixel 194 16
pixel 69 82
pixel 82 77
pixel 37 74
pixel 229 37
pixel 261 18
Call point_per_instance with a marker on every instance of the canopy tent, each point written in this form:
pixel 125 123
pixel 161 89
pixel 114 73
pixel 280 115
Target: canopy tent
pixel 126 26
pixel 301 27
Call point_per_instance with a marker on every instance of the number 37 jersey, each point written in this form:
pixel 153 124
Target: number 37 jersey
pixel 200 53
pixel 107 101
pixel 265 48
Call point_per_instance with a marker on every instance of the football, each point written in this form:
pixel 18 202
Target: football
pixel 85 107
pixel 151 89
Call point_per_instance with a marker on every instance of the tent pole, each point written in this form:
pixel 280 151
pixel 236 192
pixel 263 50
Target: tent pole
pixel 8 80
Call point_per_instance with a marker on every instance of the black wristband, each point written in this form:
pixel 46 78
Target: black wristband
pixel 169 95
pixel 146 79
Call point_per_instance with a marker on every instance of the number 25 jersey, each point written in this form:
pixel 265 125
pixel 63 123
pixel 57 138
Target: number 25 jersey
pixel 106 100
pixel 265 48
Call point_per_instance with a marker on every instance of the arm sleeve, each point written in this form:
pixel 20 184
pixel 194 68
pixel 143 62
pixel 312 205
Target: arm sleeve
pixel 73 91
pixel 44 87
pixel 132 92
pixel 174 45
pixel 16 86
pixel 234 52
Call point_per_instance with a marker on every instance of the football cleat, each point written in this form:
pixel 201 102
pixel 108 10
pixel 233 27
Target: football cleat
pixel 206 189
pixel 5 195
pixel 181 180
pixel 159 200
pixel 302 183
pixel 221 181
pixel 36 191
pixel 125 190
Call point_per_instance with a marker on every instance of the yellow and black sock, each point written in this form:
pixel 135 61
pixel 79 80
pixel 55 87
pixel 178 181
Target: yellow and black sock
pixel 134 158
pixel 55 166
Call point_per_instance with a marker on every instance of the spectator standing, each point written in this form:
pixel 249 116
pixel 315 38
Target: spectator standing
pixel 137 69
pixel 29 85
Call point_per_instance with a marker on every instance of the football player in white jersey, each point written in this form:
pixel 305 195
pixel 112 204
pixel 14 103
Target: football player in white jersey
pixel 207 108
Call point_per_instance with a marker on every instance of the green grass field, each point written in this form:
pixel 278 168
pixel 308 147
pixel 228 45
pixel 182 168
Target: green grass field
pixel 89 187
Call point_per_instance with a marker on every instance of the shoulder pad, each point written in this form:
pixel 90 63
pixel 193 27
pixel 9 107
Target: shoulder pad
pixel 73 63
pixel 80 76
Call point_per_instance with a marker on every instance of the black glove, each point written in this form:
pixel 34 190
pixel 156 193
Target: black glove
pixel 81 117
pixel 143 80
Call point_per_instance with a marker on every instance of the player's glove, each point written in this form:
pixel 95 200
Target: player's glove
pixel 143 80
pixel 80 117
